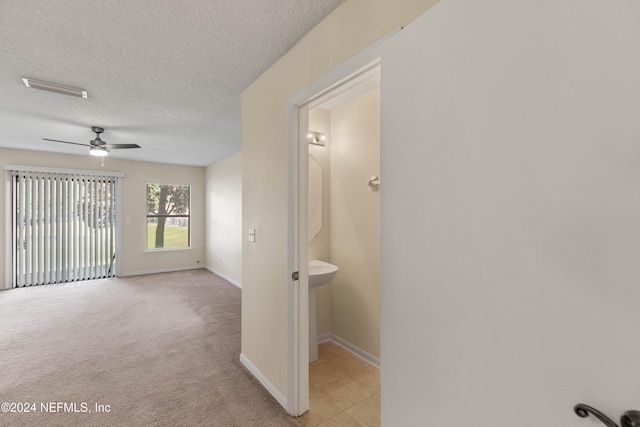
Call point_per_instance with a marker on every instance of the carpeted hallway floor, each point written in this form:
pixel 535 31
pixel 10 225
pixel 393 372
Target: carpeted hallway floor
pixel 159 350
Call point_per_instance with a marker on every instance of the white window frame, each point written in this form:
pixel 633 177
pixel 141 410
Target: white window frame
pixel 183 248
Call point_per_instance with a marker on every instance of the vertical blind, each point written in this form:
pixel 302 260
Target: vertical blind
pixel 63 227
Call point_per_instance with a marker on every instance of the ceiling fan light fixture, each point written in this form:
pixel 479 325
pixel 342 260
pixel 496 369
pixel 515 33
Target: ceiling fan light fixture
pixel 98 150
pixel 52 87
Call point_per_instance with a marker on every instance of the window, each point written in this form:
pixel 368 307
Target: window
pixel 168 216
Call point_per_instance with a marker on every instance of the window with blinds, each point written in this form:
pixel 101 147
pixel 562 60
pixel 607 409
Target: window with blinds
pixel 63 227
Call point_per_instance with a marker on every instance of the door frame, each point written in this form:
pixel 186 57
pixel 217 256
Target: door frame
pixel 341 79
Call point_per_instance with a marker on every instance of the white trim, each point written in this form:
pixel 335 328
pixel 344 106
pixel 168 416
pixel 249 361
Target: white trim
pixel 119 224
pixel 160 270
pixel 21 168
pixel 297 245
pixel 186 248
pixel 263 380
pixel 8 235
pixel 297 291
pixel 355 350
pixel 368 71
pixel 225 277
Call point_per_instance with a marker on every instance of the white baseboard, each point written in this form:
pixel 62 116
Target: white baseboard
pixel 227 278
pixel 161 270
pixel 264 381
pixel 350 348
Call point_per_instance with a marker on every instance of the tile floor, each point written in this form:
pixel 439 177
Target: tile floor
pixel 344 390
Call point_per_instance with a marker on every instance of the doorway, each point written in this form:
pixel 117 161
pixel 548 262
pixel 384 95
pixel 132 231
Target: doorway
pixel 341 81
pixel 344 333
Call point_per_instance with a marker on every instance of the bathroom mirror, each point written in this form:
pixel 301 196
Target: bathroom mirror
pixel 315 197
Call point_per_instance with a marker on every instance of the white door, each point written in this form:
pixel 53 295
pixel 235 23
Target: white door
pixel 511 214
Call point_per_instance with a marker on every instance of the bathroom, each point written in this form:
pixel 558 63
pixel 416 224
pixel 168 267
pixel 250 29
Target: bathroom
pixel 344 230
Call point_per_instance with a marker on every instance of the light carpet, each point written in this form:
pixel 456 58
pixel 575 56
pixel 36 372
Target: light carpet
pixel 153 350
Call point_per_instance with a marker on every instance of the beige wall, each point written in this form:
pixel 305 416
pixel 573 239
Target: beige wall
pixel 349 306
pixel 350 29
pixel 134 259
pixel 355 222
pixel 224 218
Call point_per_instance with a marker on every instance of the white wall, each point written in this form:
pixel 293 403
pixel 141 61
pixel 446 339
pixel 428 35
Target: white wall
pixel 224 218
pixel 134 259
pixel 510 213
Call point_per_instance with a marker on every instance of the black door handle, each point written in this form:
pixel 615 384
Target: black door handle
pixel 584 411
pixel 628 419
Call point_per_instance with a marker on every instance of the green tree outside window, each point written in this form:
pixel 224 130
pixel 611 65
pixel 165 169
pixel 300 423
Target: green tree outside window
pixel 168 216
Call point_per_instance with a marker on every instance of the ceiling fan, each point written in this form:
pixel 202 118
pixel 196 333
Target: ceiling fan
pixel 98 146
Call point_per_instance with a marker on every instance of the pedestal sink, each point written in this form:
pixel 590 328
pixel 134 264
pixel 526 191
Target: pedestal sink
pixel 320 273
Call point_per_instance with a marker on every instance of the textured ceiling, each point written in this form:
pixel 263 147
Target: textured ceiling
pixel 164 74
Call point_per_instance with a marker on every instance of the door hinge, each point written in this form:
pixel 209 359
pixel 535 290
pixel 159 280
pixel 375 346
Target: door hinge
pixel 295 275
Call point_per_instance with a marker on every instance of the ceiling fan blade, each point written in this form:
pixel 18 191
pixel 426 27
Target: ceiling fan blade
pixel 119 146
pixel 66 142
